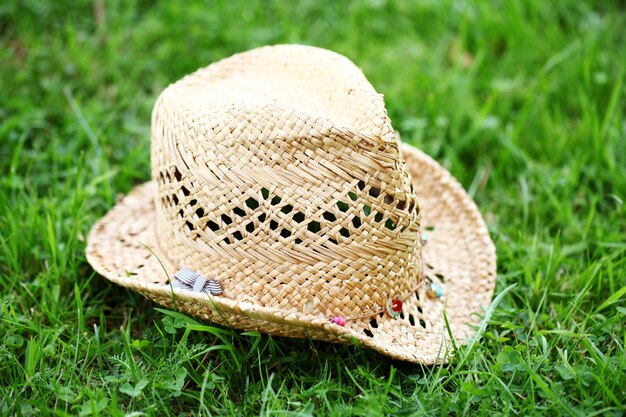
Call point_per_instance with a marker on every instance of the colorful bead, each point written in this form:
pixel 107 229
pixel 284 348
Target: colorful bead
pixel 339 320
pixel 434 291
pixel 424 238
pixel 394 307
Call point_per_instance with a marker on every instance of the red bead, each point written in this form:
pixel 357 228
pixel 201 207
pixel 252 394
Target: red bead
pixel 394 307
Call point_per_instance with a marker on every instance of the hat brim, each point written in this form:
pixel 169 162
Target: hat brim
pixel 459 255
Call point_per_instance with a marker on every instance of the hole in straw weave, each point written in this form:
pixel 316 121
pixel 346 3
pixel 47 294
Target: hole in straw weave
pixel 226 219
pixel 213 226
pixel 329 216
pixel 441 277
pixel 389 224
pixel 411 319
pixel 252 203
pixel 298 217
pixel 343 207
pixel 177 174
pixel 237 235
pixel 185 191
pixel 285 233
pixel 374 323
pixel 273 225
pixel 175 198
pixel 239 211
pixel 417 297
pixel 200 212
pixel 368 332
pixel 314 227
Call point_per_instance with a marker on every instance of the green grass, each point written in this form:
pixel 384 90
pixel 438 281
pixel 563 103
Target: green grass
pixel 523 101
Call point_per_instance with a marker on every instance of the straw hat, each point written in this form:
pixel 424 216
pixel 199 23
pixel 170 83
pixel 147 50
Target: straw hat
pixel 281 201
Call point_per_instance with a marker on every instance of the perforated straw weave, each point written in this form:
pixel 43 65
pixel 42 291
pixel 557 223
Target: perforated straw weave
pixel 276 175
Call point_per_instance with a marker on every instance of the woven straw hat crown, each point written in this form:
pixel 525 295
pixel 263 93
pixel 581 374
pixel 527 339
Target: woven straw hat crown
pixel 279 175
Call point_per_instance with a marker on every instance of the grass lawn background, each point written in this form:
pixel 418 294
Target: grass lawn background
pixel 523 101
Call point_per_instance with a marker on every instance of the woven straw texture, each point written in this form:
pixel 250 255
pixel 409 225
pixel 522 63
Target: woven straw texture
pixel 277 173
